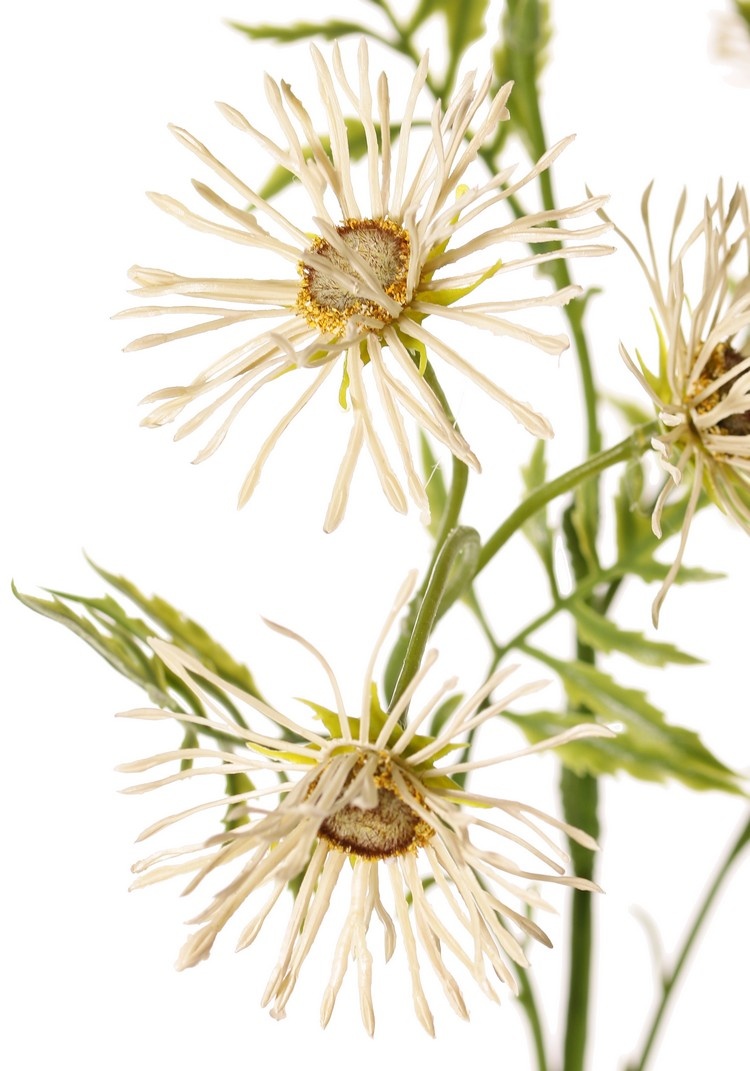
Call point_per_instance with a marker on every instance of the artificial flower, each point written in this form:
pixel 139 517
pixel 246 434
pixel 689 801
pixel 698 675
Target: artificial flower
pixel 364 271
pixel 731 41
pixel 371 803
pixel 701 387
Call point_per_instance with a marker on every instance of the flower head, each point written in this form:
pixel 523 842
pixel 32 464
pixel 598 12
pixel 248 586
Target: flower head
pixel 731 41
pixel 364 272
pixel 702 385
pixel 371 804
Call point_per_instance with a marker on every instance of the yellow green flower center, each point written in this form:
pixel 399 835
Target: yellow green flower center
pixel 329 303
pixel 389 828
pixel 723 359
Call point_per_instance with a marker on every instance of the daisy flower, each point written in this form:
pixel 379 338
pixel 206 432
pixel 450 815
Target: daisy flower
pixel 370 804
pixel 363 272
pixel 702 385
pixel 731 41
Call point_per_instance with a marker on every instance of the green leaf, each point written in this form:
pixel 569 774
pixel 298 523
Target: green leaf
pixel 636 542
pixel 602 634
pixel 635 414
pixel 536 528
pixel 236 784
pixel 298 31
pixel 280 177
pixel 122 640
pixel 657 749
pixel 186 633
pixel 526 33
pixel 443 712
pixel 465 23
pixel 117 648
pixel 437 493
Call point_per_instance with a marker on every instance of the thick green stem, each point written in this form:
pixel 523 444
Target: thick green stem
pixel 580 796
pixel 629 448
pixel 670 980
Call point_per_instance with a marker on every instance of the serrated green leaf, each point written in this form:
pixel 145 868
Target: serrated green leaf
pixel 114 648
pixel 637 544
pixel 299 31
pixel 123 640
pixel 185 632
pixel 665 750
pixel 585 521
pixel 602 634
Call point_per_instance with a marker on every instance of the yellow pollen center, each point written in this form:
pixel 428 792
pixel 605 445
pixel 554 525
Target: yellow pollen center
pixel 722 360
pixel 329 302
pixel 389 828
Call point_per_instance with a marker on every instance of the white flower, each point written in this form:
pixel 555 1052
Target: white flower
pixel 355 297
pixel 730 41
pixel 702 385
pixel 365 802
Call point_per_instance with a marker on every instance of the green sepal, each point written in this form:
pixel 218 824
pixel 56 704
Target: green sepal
pixel 415 347
pixel 378 718
pixel 455 293
pixel 659 384
pixel 344 384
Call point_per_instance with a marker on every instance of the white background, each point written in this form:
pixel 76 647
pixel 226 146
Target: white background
pixel 88 89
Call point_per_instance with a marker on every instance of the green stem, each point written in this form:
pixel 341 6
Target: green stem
pixel 527 1000
pixel 629 448
pixel 574 310
pixel 580 796
pixel 670 980
pixel 462 543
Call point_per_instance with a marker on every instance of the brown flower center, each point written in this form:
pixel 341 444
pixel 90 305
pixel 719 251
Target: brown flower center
pixel 389 828
pixel 330 304
pixel 723 359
